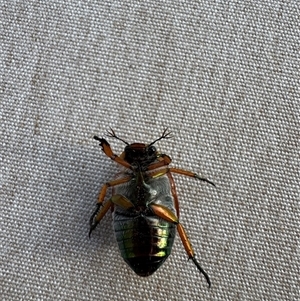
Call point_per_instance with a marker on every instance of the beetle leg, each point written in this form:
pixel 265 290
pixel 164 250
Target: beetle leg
pixel 101 211
pixel 166 214
pixel 163 171
pixel 190 174
pixel 98 215
pixel 189 250
pixel 159 173
pixel 121 201
pixel 109 153
pixel 110 184
pixel 163 161
pixel 174 192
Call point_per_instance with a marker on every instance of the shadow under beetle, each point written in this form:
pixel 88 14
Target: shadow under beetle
pixel 145 206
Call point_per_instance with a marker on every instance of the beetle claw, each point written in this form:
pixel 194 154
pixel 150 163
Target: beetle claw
pixel 93 221
pixel 201 270
pixel 204 180
pixel 93 225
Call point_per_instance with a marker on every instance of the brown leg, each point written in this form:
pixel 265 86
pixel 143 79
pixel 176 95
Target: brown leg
pixel 108 152
pixel 166 214
pixel 189 174
pixel 164 160
pixel 111 184
pixel 101 211
pixel 99 214
pixel 174 192
pixel 189 250
pixel 164 171
pixel 159 173
pixel 121 201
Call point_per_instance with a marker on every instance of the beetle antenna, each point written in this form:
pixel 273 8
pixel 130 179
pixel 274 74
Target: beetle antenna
pixel 112 134
pixel 165 135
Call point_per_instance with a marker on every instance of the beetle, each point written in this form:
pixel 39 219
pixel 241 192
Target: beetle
pixel 145 205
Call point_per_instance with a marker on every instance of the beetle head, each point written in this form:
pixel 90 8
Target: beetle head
pixel 140 154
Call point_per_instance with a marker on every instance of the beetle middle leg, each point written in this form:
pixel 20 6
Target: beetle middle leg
pixel 98 215
pixel 166 214
pixel 111 184
pixel 102 209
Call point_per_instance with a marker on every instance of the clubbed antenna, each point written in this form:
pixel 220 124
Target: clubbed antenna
pixel 165 135
pixel 112 133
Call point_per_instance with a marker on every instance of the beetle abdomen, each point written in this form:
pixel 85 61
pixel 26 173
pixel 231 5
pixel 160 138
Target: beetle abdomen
pixel 145 242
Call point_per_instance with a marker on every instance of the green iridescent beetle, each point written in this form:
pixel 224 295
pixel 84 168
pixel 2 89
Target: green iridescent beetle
pixel 145 206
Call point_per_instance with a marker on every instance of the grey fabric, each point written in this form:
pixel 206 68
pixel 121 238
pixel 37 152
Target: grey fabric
pixel 223 76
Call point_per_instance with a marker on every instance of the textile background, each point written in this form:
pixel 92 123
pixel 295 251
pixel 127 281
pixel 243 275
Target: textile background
pixel 223 76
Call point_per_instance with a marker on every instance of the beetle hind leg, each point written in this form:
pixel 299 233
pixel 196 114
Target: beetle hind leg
pixel 166 214
pixel 189 250
pixel 201 270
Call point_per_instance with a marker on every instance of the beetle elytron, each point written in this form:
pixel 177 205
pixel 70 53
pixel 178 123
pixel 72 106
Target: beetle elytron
pixel 145 206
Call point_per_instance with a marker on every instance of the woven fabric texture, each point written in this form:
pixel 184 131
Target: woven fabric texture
pixel 223 76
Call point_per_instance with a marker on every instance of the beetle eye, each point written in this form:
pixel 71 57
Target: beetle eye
pixel 151 150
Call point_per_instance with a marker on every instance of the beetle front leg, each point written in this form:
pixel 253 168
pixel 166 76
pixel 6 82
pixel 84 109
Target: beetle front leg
pixel 109 153
pixel 164 160
pixel 166 214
